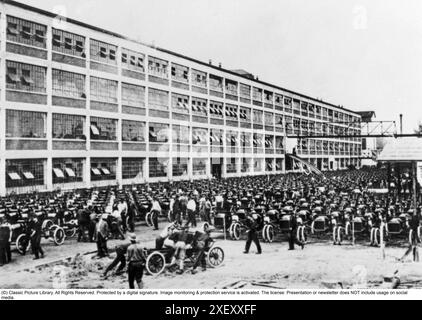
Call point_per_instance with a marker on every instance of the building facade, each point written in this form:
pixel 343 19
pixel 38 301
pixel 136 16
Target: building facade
pixel 81 106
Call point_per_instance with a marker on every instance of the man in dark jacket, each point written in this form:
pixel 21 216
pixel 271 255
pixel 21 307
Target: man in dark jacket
pixel 121 251
pixel 177 210
pixel 5 253
pixel 35 229
pixel 292 234
pixel 253 226
pixel 200 243
pixel 101 234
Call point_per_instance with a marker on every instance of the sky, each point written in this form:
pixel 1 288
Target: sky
pixel 363 55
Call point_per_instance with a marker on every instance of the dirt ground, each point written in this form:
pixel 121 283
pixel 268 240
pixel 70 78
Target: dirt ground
pixel 319 265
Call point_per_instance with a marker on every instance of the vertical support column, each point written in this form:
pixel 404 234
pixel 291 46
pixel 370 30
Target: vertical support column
pixel 49 120
pixel 119 168
pixel 87 168
pixel 87 172
pixel 3 28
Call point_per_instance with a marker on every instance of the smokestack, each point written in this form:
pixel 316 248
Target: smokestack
pixel 210 62
pixel 401 123
pixel 220 65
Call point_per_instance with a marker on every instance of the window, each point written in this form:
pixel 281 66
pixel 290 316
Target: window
pixel 180 167
pixel 103 52
pixel 232 139
pixel 257 165
pixel 245 114
pixel 268 96
pixel 231 165
pixel 279 120
pixel 245 91
pixel 216 83
pixel 288 102
pixel 246 165
pixel 269 165
pixel 269 119
pixel 279 143
pixel 269 142
pixel 103 129
pixel 68 43
pixel 158 99
pixel 257 94
pixel 133 95
pixel 231 112
pixel 245 140
pixel 158 67
pixel 25 124
pixel 24 173
pixel 158 167
pixel 216 109
pixel 25 77
pixel 278 99
pixel 67 126
pixel 257 140
pixel 133 60
pixel 199 167
pixel 26 32
pixel 258 116
pixel 133 131
pixel 180 103
pixel 216 137
pixel 158 132
pixel 67 170
pixel 200 136
pixel 133 168
pixel 199 106
pixel 103 169
pixel 199 78
pixel 180 134
pixel 68 84
pixel 103 90
pixel 231 87
pixel 179 73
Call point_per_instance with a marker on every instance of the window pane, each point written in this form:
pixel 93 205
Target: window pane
pixel 66 126
pixel 26 32
pixel 106 129
pixel 68 84
pixel 25 77
pixel 25 124
pixel 133 131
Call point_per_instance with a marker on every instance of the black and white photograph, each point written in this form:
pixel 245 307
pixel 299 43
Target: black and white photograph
pixel 210 145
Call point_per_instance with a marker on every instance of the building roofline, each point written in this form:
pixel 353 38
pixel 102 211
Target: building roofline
pixel 117 35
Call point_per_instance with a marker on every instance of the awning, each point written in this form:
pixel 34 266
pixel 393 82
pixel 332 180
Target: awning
pixel 106 171
pixel 95 130
pixel 28 175
pixel 70 172
pixel 402 149
pixel 14 176
pixel 13 31
pixel 96 172
pixel 58 172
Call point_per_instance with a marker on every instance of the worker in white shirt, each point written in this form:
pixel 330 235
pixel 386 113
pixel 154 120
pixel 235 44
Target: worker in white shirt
pixel 219 202
pixel 156 211
pixel 122 207
pixel 191 208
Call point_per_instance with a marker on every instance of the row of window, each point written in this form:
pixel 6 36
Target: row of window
pixel 72 85
pixel 31 172
pixel 34 34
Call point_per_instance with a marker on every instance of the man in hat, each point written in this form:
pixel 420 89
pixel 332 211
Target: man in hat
pixel 253 226
pixel 136 259
pixel 5 253
pixel 191 207
pixel 200 243
pixel 156 211
pixel 101 234
pixel 35 232
pixel 121 251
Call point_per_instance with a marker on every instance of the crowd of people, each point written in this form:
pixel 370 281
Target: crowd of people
pixel 184 203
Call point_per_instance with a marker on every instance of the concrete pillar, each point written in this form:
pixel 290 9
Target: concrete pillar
pixel 3 28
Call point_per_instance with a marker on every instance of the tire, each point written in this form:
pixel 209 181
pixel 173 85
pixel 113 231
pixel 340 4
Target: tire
pixel 298 233
pixel 70 233
pixel 372 236
pixel 313 227
pixel 419 234
pixel 46 227
pixel 236 231
pixel 215 257
pixel 206 224
pixel 377 237
pixel 156 263
pixel 270 234
pixel 264 233
pixel 148 219
pixel 20 241
pixel 339 236
pixel 59 236
pixel 231 230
